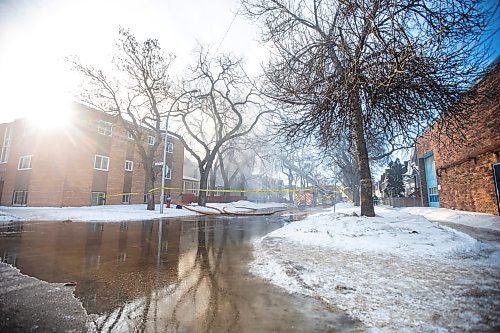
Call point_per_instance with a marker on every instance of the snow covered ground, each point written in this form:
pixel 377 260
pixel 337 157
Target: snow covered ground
pixel 397 272
pixel 113 213
pixel 472 219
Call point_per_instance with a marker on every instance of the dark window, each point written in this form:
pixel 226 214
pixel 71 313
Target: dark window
pixel 20 198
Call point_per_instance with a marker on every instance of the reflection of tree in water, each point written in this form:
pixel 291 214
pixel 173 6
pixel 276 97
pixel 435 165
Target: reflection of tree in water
pixel 206 293
pixel 196 301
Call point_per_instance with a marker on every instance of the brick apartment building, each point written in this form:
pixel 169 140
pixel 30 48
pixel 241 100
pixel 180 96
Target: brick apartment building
pixel 466 178
pixel 91 160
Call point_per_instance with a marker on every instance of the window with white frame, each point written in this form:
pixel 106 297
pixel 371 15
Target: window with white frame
pixel 98 198
pixel 168 173
pixel 20 198
pixel 101 163
pixel 170 147
pixel 129 165
pixel 145 198
pixel 151 140
pixel 190 186
pixel 24 163
pixel 104 127
pixel 126 199
pixel 130 136
pixel 4 157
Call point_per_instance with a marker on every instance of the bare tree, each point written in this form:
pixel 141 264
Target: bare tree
pixel 236 162
pixel 224 106
pixel 139 95
pixel 371 68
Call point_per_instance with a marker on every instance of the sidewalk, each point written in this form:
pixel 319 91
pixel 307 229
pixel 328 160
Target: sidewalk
pixel 31 305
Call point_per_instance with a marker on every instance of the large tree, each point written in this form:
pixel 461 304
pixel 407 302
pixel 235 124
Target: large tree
pixel 219 106
pixel 370 68
pixel 138 93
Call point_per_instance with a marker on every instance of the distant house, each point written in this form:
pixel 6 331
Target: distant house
pixel 190 177
pixel 466 177
pixel 411 177
pixel 91 160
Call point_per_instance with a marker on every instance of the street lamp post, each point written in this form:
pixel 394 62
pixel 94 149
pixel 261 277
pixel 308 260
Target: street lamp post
pixel 164 167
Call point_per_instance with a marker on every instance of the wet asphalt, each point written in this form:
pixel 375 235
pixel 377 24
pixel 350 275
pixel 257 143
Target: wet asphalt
pixel 183 275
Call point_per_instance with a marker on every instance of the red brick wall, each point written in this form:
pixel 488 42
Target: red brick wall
pixel 63 163
pixel 467 182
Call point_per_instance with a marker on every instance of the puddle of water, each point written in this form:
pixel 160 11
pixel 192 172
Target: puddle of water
pixel 170 275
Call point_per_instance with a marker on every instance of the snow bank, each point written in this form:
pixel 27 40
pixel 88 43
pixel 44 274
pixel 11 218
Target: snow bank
pixel 396 272
pixel 390 232
pixel 113 213
pixel 472 219
pixel 7 218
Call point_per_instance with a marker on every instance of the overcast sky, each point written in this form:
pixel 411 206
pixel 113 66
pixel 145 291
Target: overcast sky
pixel 37 35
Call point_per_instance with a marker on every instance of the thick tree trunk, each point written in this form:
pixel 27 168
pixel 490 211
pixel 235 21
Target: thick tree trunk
pixel 225 178
pixel 365 178
pixel 149 185
pixel 202 197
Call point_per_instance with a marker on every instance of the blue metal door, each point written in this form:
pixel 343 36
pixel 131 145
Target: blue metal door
pixel 431 181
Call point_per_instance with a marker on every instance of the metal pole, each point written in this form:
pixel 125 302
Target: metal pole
pixel 164 167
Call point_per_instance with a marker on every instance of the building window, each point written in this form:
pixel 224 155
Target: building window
pixel 129 165
pixel 168 173
pixel 104 127
pixel 130 136
pixel 126 199
pixel 146 197
pixel 24 163
pixel 170 147
pixel 151 140
pixel 101 162
pixel 433 194
pixel 189 186
pixel 4 158
pixel 20 198
pixel 98 198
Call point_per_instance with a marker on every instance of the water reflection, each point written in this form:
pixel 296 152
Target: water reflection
pixel 153 276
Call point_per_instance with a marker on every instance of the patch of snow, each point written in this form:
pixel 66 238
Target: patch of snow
pixel 112 213
pixel 394 272
pixel 472 219
pixel 390 232
pixel 7 218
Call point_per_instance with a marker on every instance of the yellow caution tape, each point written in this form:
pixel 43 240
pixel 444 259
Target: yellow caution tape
pixel 341 190
pixel 118 194
pixel 213 190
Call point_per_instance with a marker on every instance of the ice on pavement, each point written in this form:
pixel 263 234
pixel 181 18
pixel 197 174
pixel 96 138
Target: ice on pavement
pixel 395 272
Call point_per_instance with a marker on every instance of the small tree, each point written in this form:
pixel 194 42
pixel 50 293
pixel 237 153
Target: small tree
pixel 394 178
pixel 370 69
pixel 220 105
pixel 139 96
